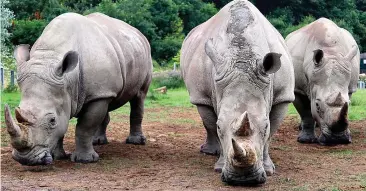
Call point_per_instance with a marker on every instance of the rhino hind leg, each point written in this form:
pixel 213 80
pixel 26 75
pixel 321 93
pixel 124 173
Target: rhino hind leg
pixel 100 137
pixel 88 123
pixel 136 136
pixel 209 118
pixel 307 129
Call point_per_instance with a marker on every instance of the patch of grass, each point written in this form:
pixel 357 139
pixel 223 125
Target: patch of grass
pixel 358 105
pixel 10 98
pixel 292 110
pixel 301 188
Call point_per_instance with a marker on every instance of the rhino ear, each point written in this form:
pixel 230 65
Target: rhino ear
pixel 21 53
pixel 70 61
pixel 318 56
pixel 271 63
pixel 213 53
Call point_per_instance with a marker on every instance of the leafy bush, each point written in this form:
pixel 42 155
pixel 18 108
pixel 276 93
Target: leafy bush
pixel 173 80
pixel 27 32
pixel 10 89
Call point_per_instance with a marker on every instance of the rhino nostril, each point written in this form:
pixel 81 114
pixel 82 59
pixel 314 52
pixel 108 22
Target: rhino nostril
pixel 47 159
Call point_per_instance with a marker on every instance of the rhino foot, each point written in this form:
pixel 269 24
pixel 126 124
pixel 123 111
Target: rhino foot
pixel 306 137
pixel 136 139
pixel 83 157
pixel 210 149
pixel 60 155
pixel 100 140
pixel 268 166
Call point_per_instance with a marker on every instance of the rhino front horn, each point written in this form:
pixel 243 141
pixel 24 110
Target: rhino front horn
pixel 238 151
pixel 343 114
pixel 18 139
pixel 12 127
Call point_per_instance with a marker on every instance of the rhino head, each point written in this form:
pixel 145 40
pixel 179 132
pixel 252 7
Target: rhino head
pixel 41 120
pixel 329 77
pixel 243 94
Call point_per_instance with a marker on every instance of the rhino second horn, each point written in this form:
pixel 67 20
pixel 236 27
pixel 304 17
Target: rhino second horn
pixel 338 100
pixel 12 127
pixel 243 125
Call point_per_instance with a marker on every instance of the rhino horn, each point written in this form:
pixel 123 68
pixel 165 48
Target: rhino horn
pixel 243 156
pixel 18 140
pixel 238 151
pixel 243 125
pixel 12 127
pixel 338 100
pixel 343 114
pixel 352 53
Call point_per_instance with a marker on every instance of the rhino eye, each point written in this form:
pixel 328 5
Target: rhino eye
pixel 53 121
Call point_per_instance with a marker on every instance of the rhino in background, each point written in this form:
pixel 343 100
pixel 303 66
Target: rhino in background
pixel 84 67
pixel 239 74
pixel 326 63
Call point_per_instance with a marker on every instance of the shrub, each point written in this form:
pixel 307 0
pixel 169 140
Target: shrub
pixel 10 89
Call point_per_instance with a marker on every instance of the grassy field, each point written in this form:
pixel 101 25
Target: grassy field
pixel 179 98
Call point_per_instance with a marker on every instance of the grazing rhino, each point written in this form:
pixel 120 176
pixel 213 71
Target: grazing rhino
pixel 326 62
pixel 84 67
pixel 239 75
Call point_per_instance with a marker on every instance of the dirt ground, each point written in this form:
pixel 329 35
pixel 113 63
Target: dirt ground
pixel 171 160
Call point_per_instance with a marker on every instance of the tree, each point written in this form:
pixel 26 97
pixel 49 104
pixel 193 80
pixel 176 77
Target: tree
pixel 194 12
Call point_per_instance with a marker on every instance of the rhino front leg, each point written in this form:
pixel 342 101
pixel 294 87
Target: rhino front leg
pixel 307 130
pixel 100 137
pixel 209 118
pixel 276 116
pixel 88 123
pixel 136 136
pixel 59 152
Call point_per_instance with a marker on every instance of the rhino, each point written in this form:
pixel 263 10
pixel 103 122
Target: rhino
pixel 82 67
pixel 326 63
pixel 239 74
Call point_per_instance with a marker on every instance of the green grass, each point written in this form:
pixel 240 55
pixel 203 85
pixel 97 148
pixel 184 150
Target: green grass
pixel 358 106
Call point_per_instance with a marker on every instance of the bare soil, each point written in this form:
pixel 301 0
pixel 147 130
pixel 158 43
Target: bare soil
pixel 171 160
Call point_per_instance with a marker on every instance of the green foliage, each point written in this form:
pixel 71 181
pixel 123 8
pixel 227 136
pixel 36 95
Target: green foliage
pixel 27 31
pixel 52 9
pixel 25 9
pixel 171 82
pixel 10 89
pixel 5 21
pixel 194 12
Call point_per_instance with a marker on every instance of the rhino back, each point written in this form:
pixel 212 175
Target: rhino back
pixel 198 70
pixel 320 34
pixel 115 59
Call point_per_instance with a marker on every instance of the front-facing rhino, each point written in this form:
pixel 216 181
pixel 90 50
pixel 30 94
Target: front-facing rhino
pixel 84 67
pixel 326 63
pixel 239 75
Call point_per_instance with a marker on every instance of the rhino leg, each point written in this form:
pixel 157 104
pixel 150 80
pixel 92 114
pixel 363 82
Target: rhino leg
pixel 276 116
pixel 307 132
pixel 100 137
pixel 136 136
pixel 209 118
pixel 59 152
pixel 88 123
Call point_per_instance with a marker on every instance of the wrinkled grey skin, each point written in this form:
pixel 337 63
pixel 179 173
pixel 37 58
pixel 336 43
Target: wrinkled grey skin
pixel 326 63
pixel 84 67
pixel 239 75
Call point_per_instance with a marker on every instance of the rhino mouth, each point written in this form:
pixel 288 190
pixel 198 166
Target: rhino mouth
pixel 36 156
pixel 251 177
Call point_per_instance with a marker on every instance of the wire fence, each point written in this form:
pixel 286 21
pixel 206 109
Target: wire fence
pixel 7 78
